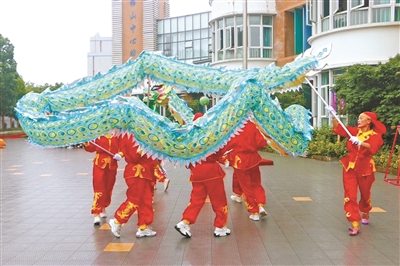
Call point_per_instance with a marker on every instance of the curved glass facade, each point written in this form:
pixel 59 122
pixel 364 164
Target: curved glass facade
pixel 186 37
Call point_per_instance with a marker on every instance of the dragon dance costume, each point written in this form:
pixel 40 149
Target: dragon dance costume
pixel 359 168
pixel 140 176
pixel 207 180
pixel 104 172
pixel 245 160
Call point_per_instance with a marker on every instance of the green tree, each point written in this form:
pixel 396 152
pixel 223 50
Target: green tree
pixel 289 98
pixel 9 86
pixel 40 88
pixel 372 88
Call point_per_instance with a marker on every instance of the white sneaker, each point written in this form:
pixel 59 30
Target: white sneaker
pixel 166 184
pixel 115 228
pixel 236 198
pixel 262 213
pixel 183 229
pixel 145 232
pixel 221 231
pixel 255 217
pixel 103 214
pixel 97 220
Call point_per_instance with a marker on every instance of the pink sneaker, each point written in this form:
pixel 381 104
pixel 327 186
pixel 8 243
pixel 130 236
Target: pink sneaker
pixel 354 231
pixel 365 218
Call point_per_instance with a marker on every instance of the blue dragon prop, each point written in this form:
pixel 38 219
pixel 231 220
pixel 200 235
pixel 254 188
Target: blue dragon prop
pixel 92 107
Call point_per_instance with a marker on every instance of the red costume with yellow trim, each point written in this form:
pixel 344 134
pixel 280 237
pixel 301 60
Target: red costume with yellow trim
pixel 140 176
pixel 359 167
pixel 207 179
pixel 104 170
pixel 245 160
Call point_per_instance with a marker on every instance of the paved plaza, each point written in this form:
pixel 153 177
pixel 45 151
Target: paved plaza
pixel 46 197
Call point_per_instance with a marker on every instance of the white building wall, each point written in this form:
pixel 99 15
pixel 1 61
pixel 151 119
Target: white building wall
pixel 100 55
pixel 222 8
pixel 366 44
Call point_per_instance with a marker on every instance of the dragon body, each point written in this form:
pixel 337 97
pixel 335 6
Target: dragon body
pixel 92 107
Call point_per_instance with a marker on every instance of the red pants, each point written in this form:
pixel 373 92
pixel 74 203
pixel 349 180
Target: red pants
pixel 215 190
pixel 249 181
pixel 255 176
pixel 351 183
pixel 103 185
pixel 139 197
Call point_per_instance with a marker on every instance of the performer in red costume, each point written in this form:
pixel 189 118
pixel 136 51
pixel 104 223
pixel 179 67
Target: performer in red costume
pixel 104 172
pixel 140 177
pixel 207 179
pixel 243 156
pixel 358 166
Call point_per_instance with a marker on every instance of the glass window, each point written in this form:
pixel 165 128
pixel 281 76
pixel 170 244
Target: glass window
pixel 205 33
pixel 381 2
pixel 239 31
pixel 204 20
pixel 267 20
pixel 167 38
pixel 254 36
pixel 254 20
pixel 325 78
pixel 267 36
pixel 174 49
pixel 196 34
pixel 181 36
pixel 204 48
pixel 196 22
pixel 220 24
pixel 189 35
pixel 174 37
pixel 254 53
pixel 167 26
pixel 181 50
pixel 197 47
pixel 267 53
pixel 239 20
pixel 227 37
pixel 230 53
pixel 325 8
pixel 189 52
pixel 220 39
pixel 189 44
pixel 397 14
pixel 181 24
pixel 174 24
pixel 229 22
pixel 188 23
pixel 160 27
pixel 381 14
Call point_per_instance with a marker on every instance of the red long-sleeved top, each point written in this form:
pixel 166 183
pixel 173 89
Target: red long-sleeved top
pixel 137 165
pixel 245 147
pixel 360 158
pixel 102 158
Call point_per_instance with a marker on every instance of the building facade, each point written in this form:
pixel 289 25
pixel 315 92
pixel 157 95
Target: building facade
pixel 360 32
pixel 187 37
pixel 134 27
pixel 99 59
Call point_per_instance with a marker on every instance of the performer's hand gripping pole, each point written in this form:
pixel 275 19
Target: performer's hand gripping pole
pixel 98 146
pixel 326 104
